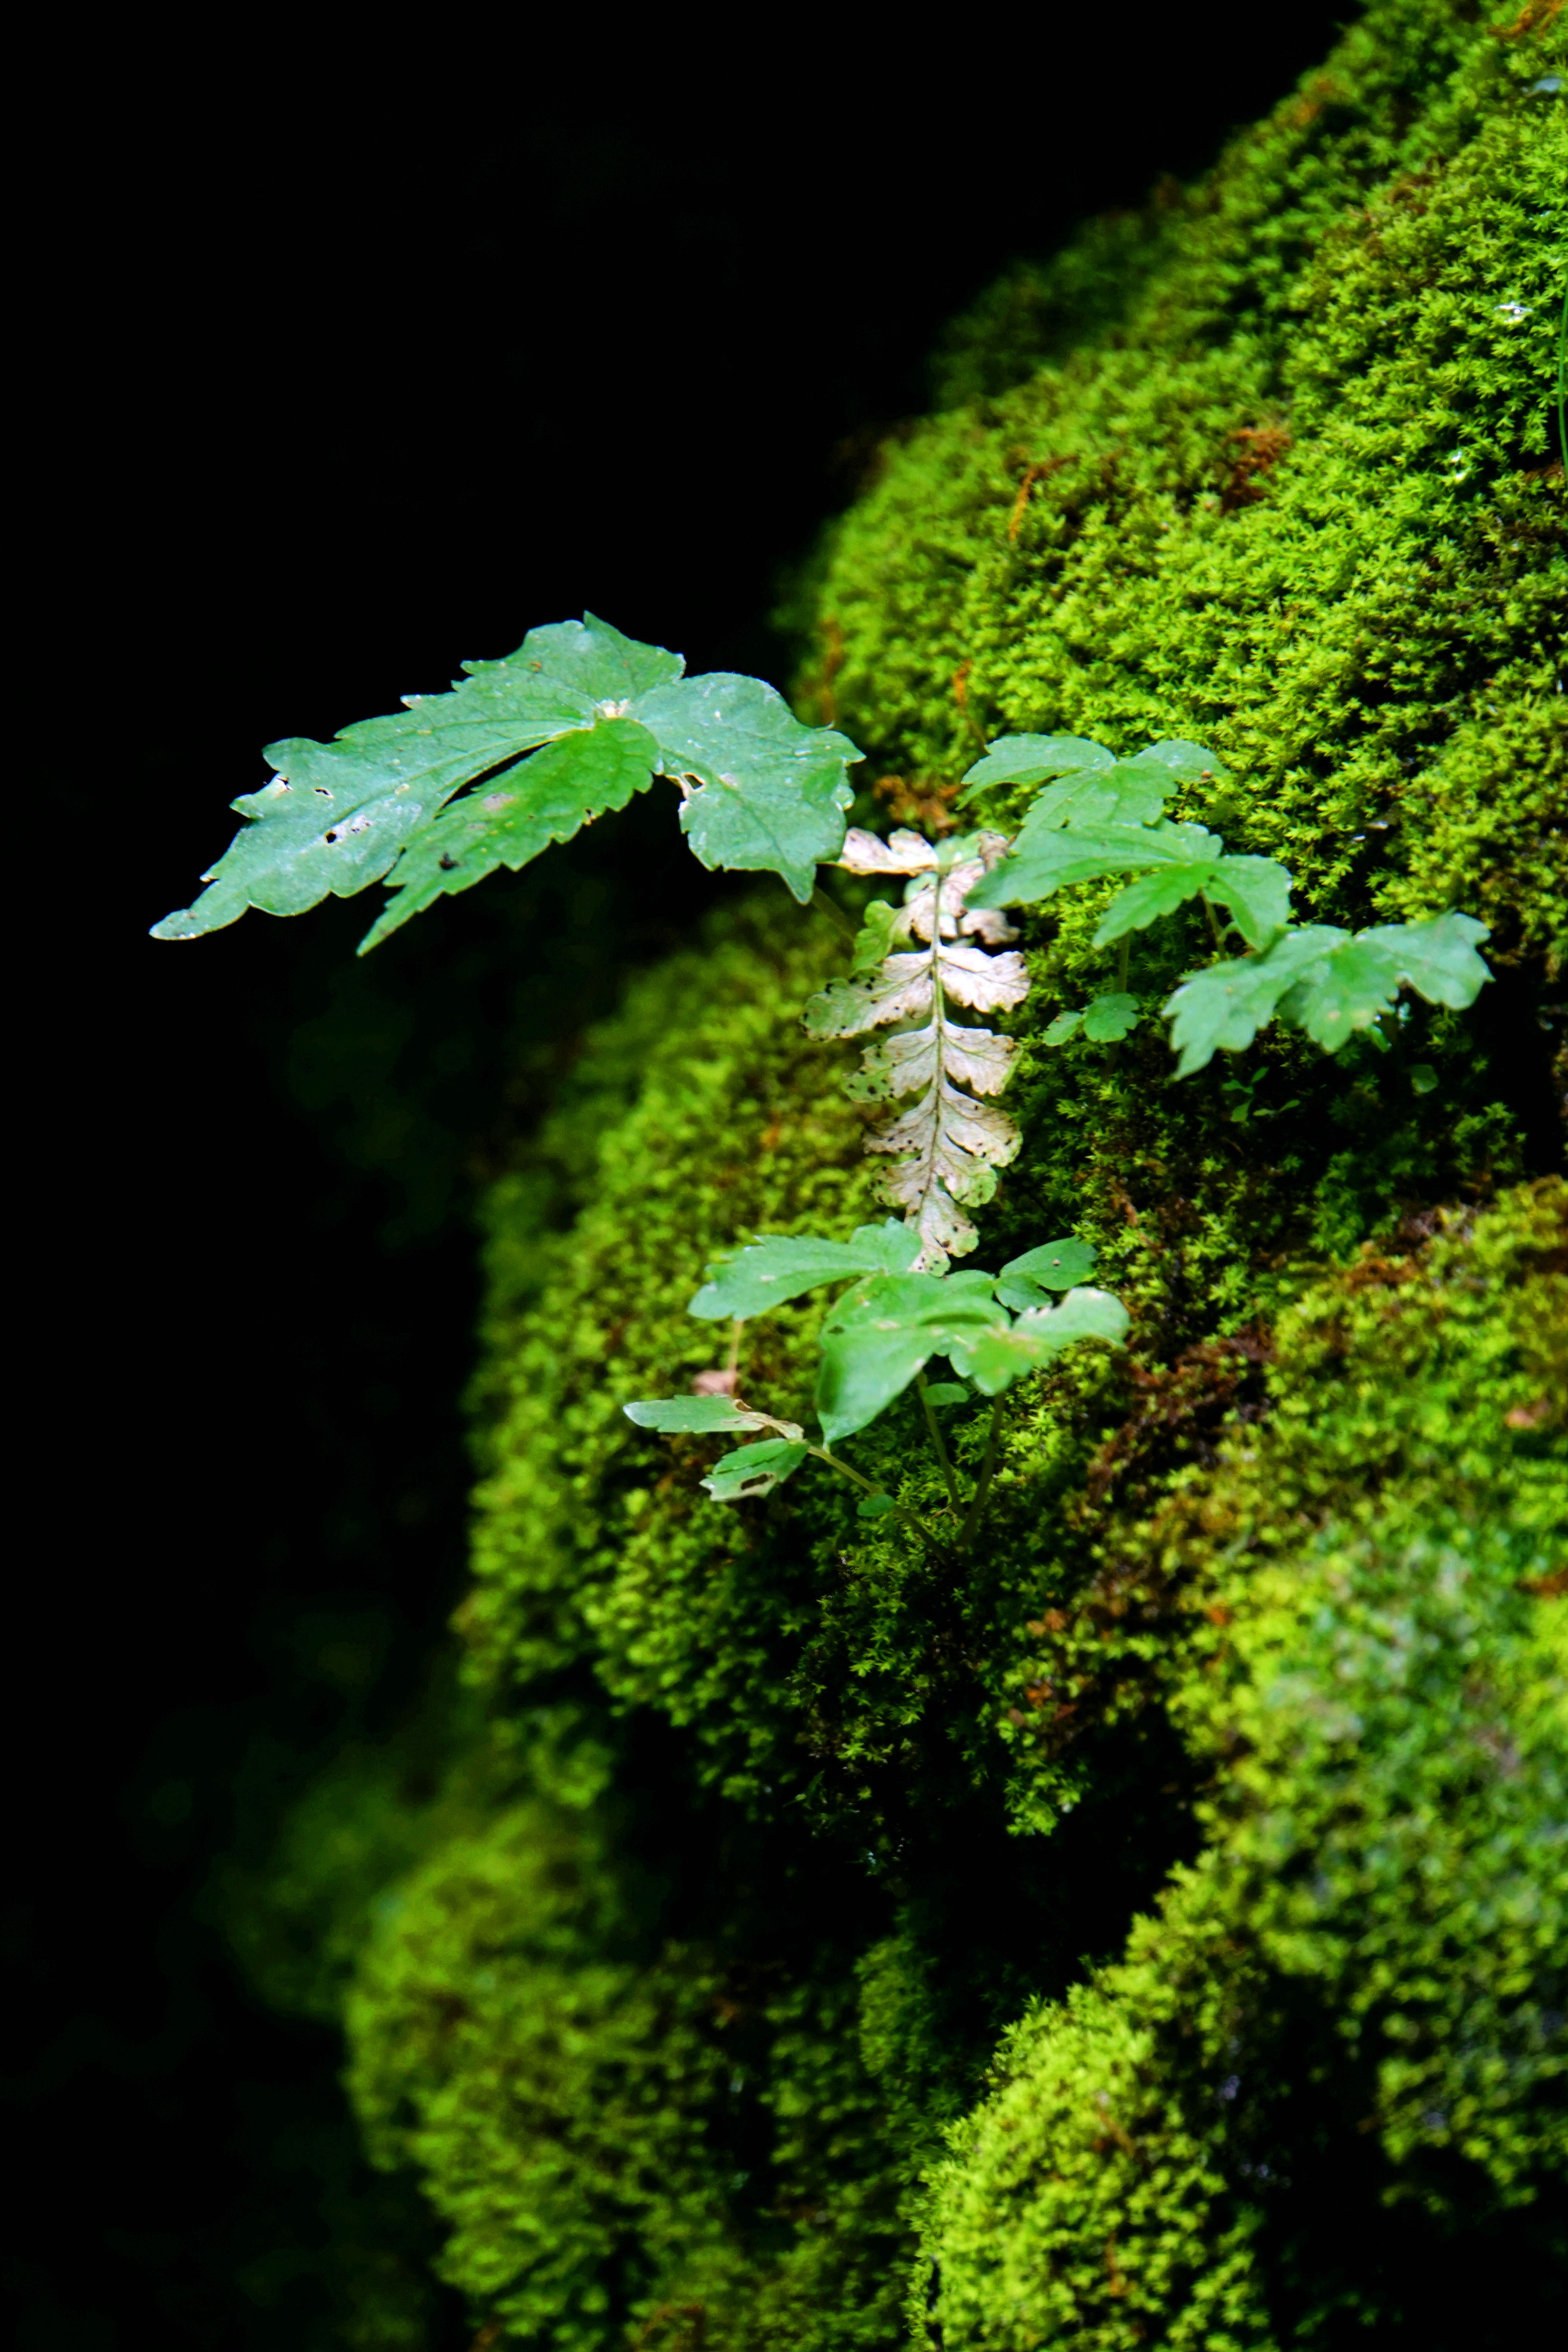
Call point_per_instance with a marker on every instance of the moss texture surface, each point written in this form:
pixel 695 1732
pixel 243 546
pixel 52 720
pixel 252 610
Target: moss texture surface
pixel 1157 1937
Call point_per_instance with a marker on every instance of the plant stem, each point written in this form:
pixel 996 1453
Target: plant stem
pixel 937 1446
pixel 825 906
pixel 987 1472
pixel 821 1453
pixel 733 1365
pixel 1214 932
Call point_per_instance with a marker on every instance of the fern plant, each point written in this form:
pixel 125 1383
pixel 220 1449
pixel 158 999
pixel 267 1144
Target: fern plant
pixel 947 1146
pixel 526 750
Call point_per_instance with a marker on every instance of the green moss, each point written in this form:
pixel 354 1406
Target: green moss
pixel 1361 1981
pixel 1214 1812
pixel 1296 501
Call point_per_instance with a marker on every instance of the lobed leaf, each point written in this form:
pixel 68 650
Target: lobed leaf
pixel 1030 759
pixel 752 1470
pixel 902 990
pixel 996 1358
pixel 1026 1281
pixel 699 1415
pixel 545 799
pixel 768 1272
pixel 977 1059
pixel 773 793
pixel 1111 1018
pixel 1050 858
pixel 1129 792
pixel 1352 983
pixel 762 791
pixel 1327 982
pixel 1256 889
pixel 884 1333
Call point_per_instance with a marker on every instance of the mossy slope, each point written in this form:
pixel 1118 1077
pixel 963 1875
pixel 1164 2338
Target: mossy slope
pixel 1156 1936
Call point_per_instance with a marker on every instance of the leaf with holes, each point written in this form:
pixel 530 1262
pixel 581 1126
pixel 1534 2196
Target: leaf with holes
pixel 761 792
pixel 753 1470
pixel 545 799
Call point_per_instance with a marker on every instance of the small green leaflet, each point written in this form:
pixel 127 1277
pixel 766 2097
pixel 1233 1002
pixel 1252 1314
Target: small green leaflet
pixel 997 1357
pixel 946 1392
pixel 752 1470
pixel 1104 1023
pixel 1032 759
pixel 1188 859
pixel 699 1415
pixel 760 791
pixel 770 1272
pixel 880 925
pixel 1056 1265
pixel 1327 982
pixel 1256 889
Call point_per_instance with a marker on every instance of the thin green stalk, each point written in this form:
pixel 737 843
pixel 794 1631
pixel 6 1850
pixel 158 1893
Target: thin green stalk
pixel 937 1446
pixel 825 906
pixel 1214 931
pixel 821 1453
pixel 987 1473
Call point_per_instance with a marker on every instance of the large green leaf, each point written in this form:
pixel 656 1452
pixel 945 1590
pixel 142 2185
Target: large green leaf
pixel 770 1272
pixel 761 790
pixel 1256 889
pixel 1327 982
pixel 994 1358
pixel 771 792
pixel 542 800
pixel 878 1338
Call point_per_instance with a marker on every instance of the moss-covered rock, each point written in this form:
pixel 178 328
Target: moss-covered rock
pixel 1151 1935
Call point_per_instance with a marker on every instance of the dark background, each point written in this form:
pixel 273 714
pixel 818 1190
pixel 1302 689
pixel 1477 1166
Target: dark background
pixel 347 367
